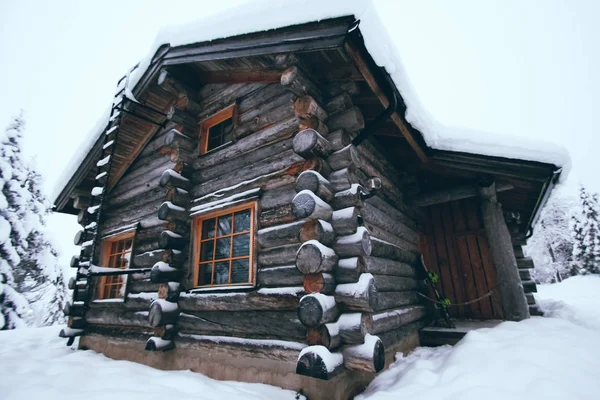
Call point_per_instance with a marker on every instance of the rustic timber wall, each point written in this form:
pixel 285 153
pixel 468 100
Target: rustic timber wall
pixel 336 245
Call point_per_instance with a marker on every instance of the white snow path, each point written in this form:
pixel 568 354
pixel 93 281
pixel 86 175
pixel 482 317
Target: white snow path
pixel 555 357
pixel 36 363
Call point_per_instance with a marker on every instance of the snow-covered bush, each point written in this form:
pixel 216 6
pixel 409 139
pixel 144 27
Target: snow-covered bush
pixel 551 245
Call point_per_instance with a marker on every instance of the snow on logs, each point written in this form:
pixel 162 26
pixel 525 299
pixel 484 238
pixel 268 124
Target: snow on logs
pixel 170 212
pixel 316 183
pixel 177 140
pixel 318 362
pixel 157 344
pixel 361 295
pixel 369 356
pixel 346 221
pixel 163 312
pixel 306 204
pixel 317 309
pixel 314 257
pixel 309 144
pixel 171 240
pixel 356 244
pixel 317 229
pixel 170 178
pixel 162 272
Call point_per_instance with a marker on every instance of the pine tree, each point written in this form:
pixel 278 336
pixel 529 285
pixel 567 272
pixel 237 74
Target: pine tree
pixel 29 259
pixel 14 308
pixel 586 232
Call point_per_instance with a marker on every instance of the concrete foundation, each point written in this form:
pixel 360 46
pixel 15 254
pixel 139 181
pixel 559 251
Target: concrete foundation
pixel 220 362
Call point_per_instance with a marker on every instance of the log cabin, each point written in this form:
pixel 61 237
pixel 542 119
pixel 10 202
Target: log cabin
pixel 258 207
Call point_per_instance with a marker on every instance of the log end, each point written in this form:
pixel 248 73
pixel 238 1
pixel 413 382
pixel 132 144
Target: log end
pixel 288 76
pixel 158 344
pixel 317 362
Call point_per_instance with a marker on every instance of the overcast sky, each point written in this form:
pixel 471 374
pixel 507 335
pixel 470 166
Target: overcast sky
pixel 527 68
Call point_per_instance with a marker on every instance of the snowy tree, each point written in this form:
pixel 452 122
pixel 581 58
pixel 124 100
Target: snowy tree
pixel 33 289
pixel 551 245
pixel 586 231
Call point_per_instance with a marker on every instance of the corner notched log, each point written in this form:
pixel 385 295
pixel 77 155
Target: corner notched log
pixel 317 309
pixel 306 107
pixel 162 272
pixel 163 312
pixel 314 257
pixel 319 283
pixel 317 229
pixel 316 183
pixel 171 240
pixel 350 119
pixel 170 212
pixel 170 178
pixel 299 84
pixel 309 144
pixel 308 205
pixel 369 356
pixel 360 296
pixel 178 140
pixel 318 362
pixel 158 344
pixel 346 221
pixel 325 335
pixel 357 244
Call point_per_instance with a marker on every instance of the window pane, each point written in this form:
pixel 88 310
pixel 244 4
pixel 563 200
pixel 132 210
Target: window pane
pixel 205 274
pixel 128 243
pixel 227 131
pixel 224 225
pixel 241 245
pixel 113 247
pixel 221 273
pixel 242 221
pixel 223 248
pixel 240 271
pixel 206 251
pixel 214 142
pixel 126 259
pixel 208 228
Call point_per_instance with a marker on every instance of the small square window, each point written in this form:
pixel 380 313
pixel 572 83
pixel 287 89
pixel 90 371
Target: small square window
pixel 218 129
pixel 223 243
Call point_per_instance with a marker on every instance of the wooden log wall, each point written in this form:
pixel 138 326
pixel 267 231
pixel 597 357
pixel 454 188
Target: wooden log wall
pixel 331 251
pixel 360 280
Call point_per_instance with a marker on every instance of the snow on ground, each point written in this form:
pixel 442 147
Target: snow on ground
pixel 555 357
pixel 36 363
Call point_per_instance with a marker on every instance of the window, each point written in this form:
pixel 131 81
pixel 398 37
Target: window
pixel 217 130
pixel 116 253
pixel 224 247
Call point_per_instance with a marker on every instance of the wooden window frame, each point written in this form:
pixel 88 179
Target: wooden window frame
pixel 105 258
pixel 197 237
pixel 215 119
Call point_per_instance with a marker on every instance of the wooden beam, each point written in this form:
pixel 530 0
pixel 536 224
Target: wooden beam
pixel 240 76
pixel 362 66
pixel 509 284
pixel 455 193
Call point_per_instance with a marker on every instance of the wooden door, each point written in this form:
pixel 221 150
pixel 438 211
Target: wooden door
pixel 455 246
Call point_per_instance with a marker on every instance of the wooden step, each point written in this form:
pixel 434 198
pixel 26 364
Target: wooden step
pixel 433 336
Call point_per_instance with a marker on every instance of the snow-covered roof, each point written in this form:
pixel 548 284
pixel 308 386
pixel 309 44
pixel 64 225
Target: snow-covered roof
pixel 264 15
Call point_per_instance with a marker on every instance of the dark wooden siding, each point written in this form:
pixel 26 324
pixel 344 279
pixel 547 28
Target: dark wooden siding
pixel 455 246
